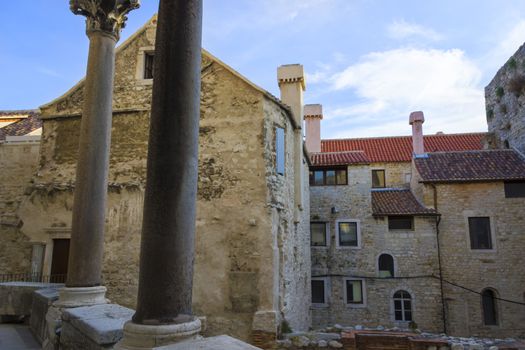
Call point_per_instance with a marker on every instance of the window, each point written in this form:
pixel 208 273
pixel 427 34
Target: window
pixel 319 291
pixel 378 178
pixel 488 302
pixel 348 234
pixel 327 177
pixel 149 58
pixel 514 189
pixel 408 178
pixel 386 265
pixel 479 231
pixel 402 306
pixel 400 222
pixel 354 292
pixel 318 234
pixel 279 150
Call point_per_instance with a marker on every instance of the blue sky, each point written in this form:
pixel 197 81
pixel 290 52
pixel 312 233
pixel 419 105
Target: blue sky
pixel 368 62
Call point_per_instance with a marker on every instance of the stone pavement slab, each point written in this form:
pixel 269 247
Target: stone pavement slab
pixel 17 337
pixel 222 342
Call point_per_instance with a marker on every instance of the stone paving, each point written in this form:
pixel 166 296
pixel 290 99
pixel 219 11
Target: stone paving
pixel 17 337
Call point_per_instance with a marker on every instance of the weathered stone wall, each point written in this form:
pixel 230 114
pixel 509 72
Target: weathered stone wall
pixel 248 247
pixel 504 101
pixel 18 163
pixel 395 173
pixel 414 255
pixel 502 269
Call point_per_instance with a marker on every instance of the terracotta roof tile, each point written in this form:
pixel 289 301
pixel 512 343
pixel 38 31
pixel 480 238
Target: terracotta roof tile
pixel 339 158
pixel 471 166
pixel 21 127
pixel 397 202
pixel 399 148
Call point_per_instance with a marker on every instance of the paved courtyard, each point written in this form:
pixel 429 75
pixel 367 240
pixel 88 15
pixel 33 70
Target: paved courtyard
pixel 17 337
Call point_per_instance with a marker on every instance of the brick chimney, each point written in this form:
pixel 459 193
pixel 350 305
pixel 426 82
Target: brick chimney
pixel 292 84
pixel 416 120
pixel 313 114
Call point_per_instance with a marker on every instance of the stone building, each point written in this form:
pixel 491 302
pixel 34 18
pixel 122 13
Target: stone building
pixel 252 265
pixel 385 227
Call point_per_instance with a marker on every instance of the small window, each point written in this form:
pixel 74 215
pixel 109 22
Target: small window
pixel 354 291
pixel 408 178
pixel 400 222
pixel 318 234
pixel 514 189
pixel 319 291
pixel 402 306
pixel 347 234
pixel 378 178
pixel 488 302
pixel 149 59
pixel 479 231
pixel 386 265
pixel 328 177
pixel 279 150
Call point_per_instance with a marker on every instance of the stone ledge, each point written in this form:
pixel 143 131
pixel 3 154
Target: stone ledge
pixel 222 342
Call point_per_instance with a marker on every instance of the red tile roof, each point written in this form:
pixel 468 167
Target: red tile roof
pixel 471 166
pixel 339 158
pixel 397 202
pixel 399 148
pixel 23 126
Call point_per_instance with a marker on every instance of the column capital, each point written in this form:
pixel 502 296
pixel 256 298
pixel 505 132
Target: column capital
pixel 108 16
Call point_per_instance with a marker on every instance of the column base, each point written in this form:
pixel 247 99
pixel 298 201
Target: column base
pixel 146 337
pixel 81 296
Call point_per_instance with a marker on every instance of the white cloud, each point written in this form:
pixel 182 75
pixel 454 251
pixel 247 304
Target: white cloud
pixel 388 85
pixel 403 30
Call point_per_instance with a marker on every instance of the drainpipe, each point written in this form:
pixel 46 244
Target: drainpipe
pixel 438 220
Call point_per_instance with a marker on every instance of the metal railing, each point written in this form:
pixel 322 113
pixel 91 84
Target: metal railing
pixel 32 277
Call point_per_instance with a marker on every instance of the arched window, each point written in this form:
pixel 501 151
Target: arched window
pixel 402 306
pixel 488 302
pixel 386 265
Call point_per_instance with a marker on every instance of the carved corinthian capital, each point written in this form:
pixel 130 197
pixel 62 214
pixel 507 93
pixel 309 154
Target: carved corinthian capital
pixel 108 16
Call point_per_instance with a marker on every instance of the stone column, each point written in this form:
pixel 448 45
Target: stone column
pixel 104 19
pixel 164 313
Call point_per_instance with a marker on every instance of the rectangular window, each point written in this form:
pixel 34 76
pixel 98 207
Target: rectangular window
pixel 514 189
pixel 378 178
pixel 408 178
pixel 148 65
pixel 479 231
pixel 347 234
pixel 319 293
pixel 318 232
pixel 354 291
pixel 279 150
pixel 400 222
pixel 328 177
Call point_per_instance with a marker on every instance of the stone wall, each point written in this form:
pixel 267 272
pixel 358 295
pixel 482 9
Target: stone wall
pixel 502 268
pixel 248 247
pixel 18 163
pixel 414 254
pixel 504 100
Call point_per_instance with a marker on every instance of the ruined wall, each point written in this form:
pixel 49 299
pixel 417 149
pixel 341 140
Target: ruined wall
pixel 414 254
pixel 18 162
pixel 502 269
pixel 504 101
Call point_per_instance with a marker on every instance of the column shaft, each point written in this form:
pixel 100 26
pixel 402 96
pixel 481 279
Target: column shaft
pixel 89 206
pixel 167 251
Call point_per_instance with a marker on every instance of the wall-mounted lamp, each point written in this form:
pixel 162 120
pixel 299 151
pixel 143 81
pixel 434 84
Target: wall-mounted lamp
pixel 334 210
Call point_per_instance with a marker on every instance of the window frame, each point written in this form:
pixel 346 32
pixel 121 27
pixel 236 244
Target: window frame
pixel 363 293
pixel 324 170
pixel 326 231
pixel 141 65
pixel 326 292
pixel 278 154
pixel 393 265
pixel 492 234
pixel 506 189
pixel 393 305
pixel 412 228
pixel 358 233
pixel 384 178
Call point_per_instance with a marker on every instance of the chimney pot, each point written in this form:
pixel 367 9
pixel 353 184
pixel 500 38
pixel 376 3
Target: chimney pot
pixel 416 120
pixel 313 114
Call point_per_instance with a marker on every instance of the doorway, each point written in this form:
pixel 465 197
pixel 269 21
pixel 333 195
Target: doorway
pixel 59 261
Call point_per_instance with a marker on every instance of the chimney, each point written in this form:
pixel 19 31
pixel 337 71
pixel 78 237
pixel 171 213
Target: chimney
pixel 416 120
pixel 292 84
pixel 313 114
